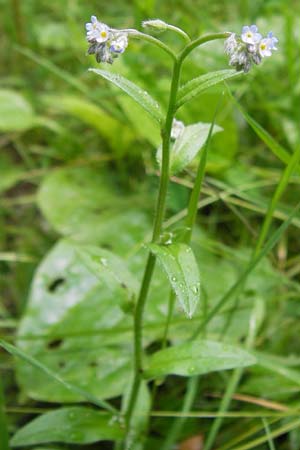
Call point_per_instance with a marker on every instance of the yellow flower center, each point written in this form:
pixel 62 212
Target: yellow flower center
pixel 263 46
pixel 249 35
pixel 103 34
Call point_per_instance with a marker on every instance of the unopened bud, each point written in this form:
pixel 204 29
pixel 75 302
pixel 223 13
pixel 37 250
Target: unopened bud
pixel 155 25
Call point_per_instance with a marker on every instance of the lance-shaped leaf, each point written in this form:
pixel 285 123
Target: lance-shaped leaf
pixel 181 268
pixel 74 425
pixel 196 358
pixel 188 145
pixel 196 86
pixel 139 95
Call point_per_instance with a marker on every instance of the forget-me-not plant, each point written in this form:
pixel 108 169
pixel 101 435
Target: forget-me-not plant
pixel 244 50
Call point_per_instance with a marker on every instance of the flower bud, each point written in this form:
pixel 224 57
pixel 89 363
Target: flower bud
pixel 155 25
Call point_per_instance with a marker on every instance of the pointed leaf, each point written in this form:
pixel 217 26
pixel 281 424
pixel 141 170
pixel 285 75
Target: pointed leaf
pixel 135 92
pixel 188 145
pixel 196 358
pixel 180 265
pixel 196 86
pixel 75 425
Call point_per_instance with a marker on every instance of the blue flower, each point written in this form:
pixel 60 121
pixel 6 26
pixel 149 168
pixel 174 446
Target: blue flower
pixel 97 31
pixel 105 43
pixel 250 34
pixel 249 48
pixel 119 43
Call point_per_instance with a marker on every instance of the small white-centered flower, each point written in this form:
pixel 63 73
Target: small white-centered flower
pixel 250 34
pixel 97 31
pixel 119 43
pixel 249 48
pixel 264 48
pixel 177 129
pixel 104 42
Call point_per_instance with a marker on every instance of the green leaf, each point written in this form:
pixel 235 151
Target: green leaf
pixel 16 114
pixel 115 132
pixel 140 96
pixel 180 265
pixel 81 393
pixel 75 425
pixel 196 86
pixel 108 267
pixel 197 358
pixel 67 329
pixel 188 145
pixel 82 203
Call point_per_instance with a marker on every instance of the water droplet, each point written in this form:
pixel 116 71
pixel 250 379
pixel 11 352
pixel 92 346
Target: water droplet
pixel 195 289
pixel 191 369
pixel 174 279
pixel 103 261
pixel 181 285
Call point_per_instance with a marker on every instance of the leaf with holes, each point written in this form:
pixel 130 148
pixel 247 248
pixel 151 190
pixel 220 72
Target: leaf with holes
pixel 198 85
pixel 197 358
pixel 179 263
pixel 188 145
pixel 139 95
pixel 67 327
pixel 74 425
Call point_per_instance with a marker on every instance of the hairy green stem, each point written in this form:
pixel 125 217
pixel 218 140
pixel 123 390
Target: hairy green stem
pixel 160 211
pixel 189 222
pixel 152 40
pixel 202 40
pixel 180 32
pixel 157 229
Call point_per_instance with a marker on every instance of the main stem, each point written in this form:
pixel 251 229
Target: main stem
pixel 157 229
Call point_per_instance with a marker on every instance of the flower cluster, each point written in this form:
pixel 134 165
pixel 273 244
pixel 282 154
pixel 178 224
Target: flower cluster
pixel 248 48
pixel 105 43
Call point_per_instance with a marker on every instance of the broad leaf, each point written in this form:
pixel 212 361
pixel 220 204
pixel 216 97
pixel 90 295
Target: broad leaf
pixel 188 145
pixel 180 265
pixel 198 85
pixel 74 425
pixel 197 358
pixel 82 203
pixel 76 312
pixel 108 267
pixel 139 95
pixel 59 381
pixel 16 114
